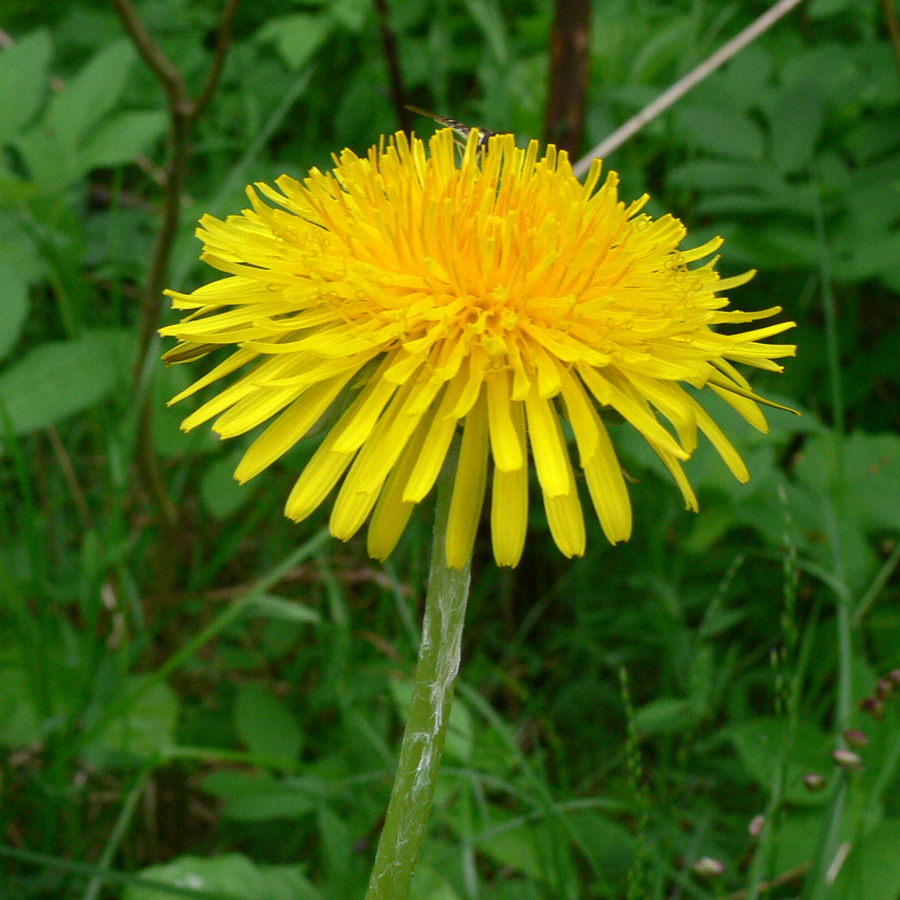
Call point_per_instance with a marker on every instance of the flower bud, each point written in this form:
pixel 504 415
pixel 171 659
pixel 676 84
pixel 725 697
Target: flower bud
pixel 855 737
pixel 757 823
pixel 814 781
pixel 874 706
pixel 707 867
pixel 847 759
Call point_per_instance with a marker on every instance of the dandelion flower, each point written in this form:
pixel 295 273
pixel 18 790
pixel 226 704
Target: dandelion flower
pixel 494 293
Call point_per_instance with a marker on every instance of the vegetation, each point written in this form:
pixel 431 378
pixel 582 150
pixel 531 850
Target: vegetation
pixel 201 699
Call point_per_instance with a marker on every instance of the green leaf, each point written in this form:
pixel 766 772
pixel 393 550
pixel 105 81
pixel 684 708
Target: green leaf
pixel 665 715
pixel 297 37
pixel 90 95
pixel 232 875
pixel 19 723
pixel 23 81
pixel 602 840
pixel 284 610
pixel 761 746
pixel 721 131
pixel 265 725
pixel 13 306
pixel 256 798
pixel 61 378
pixel 872 869
pixel 860 481
pixel 120 139
pixel 352 14
pixel 747 77
pixel 427 884
pixel 146 729
pixel 821 9
pixel 795 123
pixel 221 494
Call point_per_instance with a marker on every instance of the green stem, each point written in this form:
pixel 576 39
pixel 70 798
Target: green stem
pixel 429 713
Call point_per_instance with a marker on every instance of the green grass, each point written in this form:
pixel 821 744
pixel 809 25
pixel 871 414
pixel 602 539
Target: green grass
pixel 213 708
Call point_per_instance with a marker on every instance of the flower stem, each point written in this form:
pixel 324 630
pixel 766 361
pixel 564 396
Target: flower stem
pixel 429 713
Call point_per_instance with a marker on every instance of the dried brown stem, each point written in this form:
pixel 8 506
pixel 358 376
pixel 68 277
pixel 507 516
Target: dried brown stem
pixel 183 114
pixel 570 42
pixel 893 25
pixel 392 58
pixel 168 74
pixel 223 42
pixel 794 874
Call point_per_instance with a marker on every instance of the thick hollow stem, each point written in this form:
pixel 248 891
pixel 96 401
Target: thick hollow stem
pixel 429 714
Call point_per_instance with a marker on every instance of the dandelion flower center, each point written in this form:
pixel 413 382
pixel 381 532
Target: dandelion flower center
pixel 497 294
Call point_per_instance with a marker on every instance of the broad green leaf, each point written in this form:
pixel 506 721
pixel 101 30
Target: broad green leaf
pixel 776 246
pixel 13 306
pixel 121 139
pixel 147 727
pixel 336 843
pixel 795 122
pixel 19 723
pixel 721 131
pixel 528 846
pixel 715 174
pixel 231 875
pixel 820 9
pixel 352 14
pixel 61 378
pixel 221 494
pixel 297 37
pixel 90 95
pixel 858 483
pixel 279 608
pixel 864 255
pixel 761 747
pixel 265 725
pixel 606 843
pixel 23 81
pixel 258 798
pixel 666 715
pixel 872 869
pixel 747 77
pixel 427 884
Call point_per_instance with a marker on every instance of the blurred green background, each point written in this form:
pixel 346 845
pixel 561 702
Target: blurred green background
pixel 199 698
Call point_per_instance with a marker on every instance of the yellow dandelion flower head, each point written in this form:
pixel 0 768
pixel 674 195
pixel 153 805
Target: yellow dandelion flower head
pixel 495 293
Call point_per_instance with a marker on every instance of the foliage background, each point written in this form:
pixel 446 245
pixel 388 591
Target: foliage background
pixel 209 705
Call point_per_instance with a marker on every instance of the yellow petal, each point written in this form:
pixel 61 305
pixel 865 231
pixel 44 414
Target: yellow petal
pixel 289 428
pixel 509 503
pixel 468 487
pixel 548 445
pixel 392 512
pixel 507 446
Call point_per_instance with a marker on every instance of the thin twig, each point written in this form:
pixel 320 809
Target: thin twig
pixel 570 41
pixel 183 114
pixel 893 25
pixel 168 74
pixel 683 85
pixel 392 58
pixel 69 476
pixel 786 877
pixel 223 42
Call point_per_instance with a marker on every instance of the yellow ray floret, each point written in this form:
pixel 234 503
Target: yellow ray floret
pixel 494 297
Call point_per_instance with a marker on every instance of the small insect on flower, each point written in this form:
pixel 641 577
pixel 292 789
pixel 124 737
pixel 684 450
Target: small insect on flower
pixel 484 134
